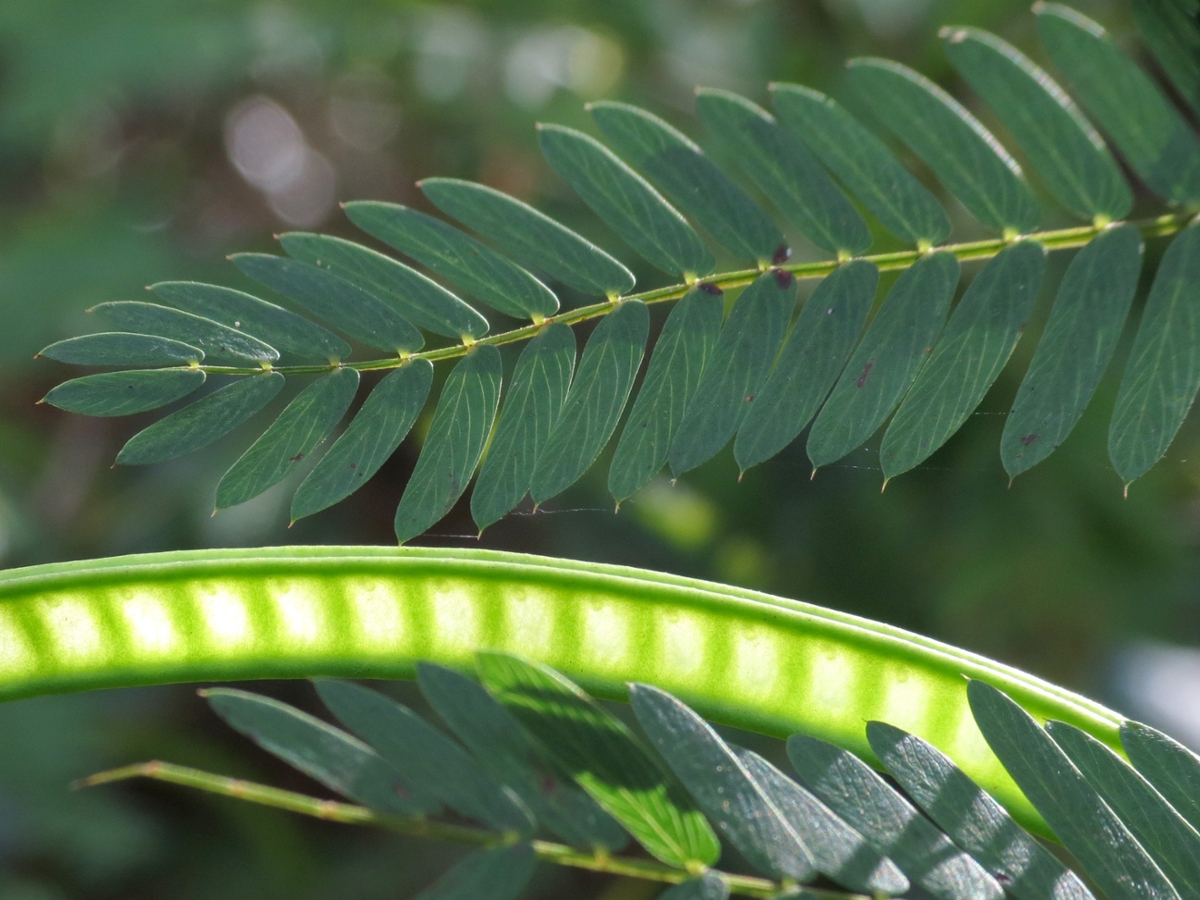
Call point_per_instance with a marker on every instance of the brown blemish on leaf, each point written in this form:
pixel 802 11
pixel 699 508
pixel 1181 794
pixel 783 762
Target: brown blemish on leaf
pixel 1028 439
pixel 784 279
pixel 782 254
pixel 710 289
pixel 862 379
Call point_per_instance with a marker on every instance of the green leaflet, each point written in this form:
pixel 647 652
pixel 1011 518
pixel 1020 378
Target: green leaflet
pixel 720 784
pixel 510 756
pixel 784 170
pixel 1172 768
pixel 709 886
pixel 530 236
pixel 451 452
pixel 1163 371
pixel 217 341
pixel 120 348
pixel 736 370
pixel 354 311
pixel 1167 839
pixel 890 824
pixel 1146 128
pixel 812 359
pixel 1108 853
pixel 896 345
pixel 972 818
pixel 277 326
pixel 303 424
pixel 319 750
pixel 863 162
pixel 682 350
pixel 968 357
pixel 425 755
pixel 1062 145
pixel 199 424
pixel 535 398
pixel 673 163
pixel 500 873
pixel 1075 347
pixel 838 850
pixel 124 393
pixel 623 199
pixel 369 441
pixel 604 757
pixel 1170 29
pixel 421 301
pixel 593 406
pixel 963 154
pixel 494 279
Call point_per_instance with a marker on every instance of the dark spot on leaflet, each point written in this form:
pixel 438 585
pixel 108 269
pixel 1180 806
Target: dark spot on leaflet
pixel 749 398
pixel 297 457
pixel 400 790
pixel 782 254
pixel 710 289
pixel 784 279
pixel 354 465
pixel 1028 439
pixel 547 784
pixel 862 379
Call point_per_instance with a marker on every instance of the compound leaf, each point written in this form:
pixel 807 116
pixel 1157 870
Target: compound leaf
pixel 539 385
pixel 200 423
pixel 124 393
pixel 461 424
pixel 964 155
pixel 530 236
pixel 369 441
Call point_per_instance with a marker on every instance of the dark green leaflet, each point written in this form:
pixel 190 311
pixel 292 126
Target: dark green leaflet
pixel 593 406
pixel 460 428
pixel 494 279
pixel 509 755
pixel 972 818
pixel 124 393
pixel 1062 145
pixel 623 199
pixel 530 236
pixel 709 886
pixel 199 424
pixel 784 170
pixel 680 354
pixel 1108 853
pixel 1075 348
pixel 277 326
pixel 963 154
pixel 1171 30
pixel 423 302
pixel 811 360
pixel 1163 371
pixel 531 407
pixel 1146 128
pixel 500 873
pixel 674 164
pixel 217 341
pixel 354 311
pixel 324 753
pixel 714 776
pixel 896 345
pixel 369 441
pixel 968 357
pixel 838 850
pixel 890 824
pixel 1170 841
pixel 604 757
pixel 305 422
pixel 902 204
pixel 424 754
pixel 1172 768
pixel 736 370
pixel 121 348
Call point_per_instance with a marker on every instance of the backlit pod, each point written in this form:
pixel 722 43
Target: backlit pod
pixel 747 659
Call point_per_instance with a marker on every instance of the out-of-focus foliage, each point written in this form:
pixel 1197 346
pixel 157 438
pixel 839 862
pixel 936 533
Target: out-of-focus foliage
pixel 143 140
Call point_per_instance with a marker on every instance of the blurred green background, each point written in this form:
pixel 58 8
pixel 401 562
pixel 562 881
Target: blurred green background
pixel 143 140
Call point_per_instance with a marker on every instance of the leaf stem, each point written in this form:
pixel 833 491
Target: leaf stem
pixel 1060 239
pixel 351 814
